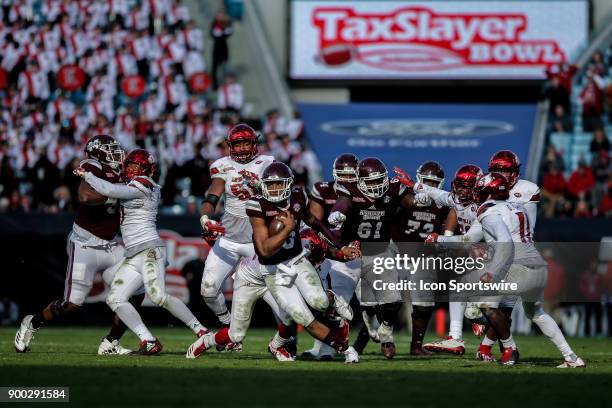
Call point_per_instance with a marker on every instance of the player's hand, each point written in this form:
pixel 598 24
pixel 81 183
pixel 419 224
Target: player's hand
pixel 288 220
pixel 211 227
pixel 79 172
pixel 209 238
pixel 355 244
pixel 486 277
pixel 336 219
pixel 421 199
pixel 403 177
pixel 350 253
pixel 432 238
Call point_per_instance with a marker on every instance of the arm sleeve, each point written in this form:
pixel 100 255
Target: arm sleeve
pixel 113 190
pixel 494 225
pixel 531 208
pixel 474 234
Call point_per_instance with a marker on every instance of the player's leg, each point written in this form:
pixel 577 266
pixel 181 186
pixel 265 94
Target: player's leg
pixel 387 316
pixel 128 280
pixel 315 351
pixel 220 262
pixel 485 349
pixel 453 343
pixel 283 343
pixel 290 299
pixel 80 272
pixel 550 328
pixel 153 269
pixel 421 315
pixel 501 324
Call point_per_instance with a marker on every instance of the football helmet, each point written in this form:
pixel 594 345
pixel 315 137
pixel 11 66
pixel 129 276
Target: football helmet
pixel 431 171
pixel 139 163
pixel 463 184
pixel 492 186
pixel 372 177
pixel 106 150
pixel 316 246
pixel 242 133
pixel 507 163
pixel 345 168
pixel 276 182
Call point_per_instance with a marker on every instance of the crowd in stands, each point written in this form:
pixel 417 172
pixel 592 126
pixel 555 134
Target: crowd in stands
pixel 115 44
pixel 584 190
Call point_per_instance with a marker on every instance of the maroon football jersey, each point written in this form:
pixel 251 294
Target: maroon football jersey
pixel 414 224
pixel 370 220
pixel 324 194
pixel 101 220
pixel 297 204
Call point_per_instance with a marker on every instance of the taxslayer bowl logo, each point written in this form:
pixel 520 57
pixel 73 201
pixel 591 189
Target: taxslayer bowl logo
pixel 179 251
pixel 420 39
pixel 417 127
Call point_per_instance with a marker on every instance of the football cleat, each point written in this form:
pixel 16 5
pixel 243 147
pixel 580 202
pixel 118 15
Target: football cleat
pixel 148 348
pixel 485 353
pixel 280 353
pixel 342 307
pixel 236 347
pixel 112 348
pixel 322 353
pixel 351 356
pixel 201 345
pixel 510 356
pixel 416 349
pixel 24 335
pixel 478 329
pixel 388 349
pixel 447 345
pixel 569 363
pixel 202 332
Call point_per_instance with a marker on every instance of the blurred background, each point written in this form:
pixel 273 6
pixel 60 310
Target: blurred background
pixel 407 81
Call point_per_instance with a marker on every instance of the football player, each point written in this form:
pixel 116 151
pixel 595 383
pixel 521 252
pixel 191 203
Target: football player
pixel 92 247
pixel 462 213
pixel 365 212
pixel 145 252
pixel 234 177
pixel 288 274
pixel 340 277
pixel 414 224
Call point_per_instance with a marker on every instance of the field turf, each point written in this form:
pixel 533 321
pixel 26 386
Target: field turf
pixel 66 357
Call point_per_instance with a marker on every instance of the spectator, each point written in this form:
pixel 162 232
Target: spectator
pixel 591 99
pixel 581 181
pixel 599 142
pixel 231 95
pixel 553 190
pixel 564 72
pixel 557 95
pixel 552 158
pixel 295 127
pixel 560 121
pixel 220 30
pixel 601 172
pixel 591 288
pixel 605 207
pixel 597 64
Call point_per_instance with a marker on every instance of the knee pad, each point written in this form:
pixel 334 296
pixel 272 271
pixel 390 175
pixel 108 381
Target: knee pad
pixel 209 289
pixel 113 301
pixel 319 301
pixel 534 311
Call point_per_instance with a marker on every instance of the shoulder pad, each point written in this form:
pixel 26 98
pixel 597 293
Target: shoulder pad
pixel 90 162
pixel 341 188
pixel 145 181
pixel 483 208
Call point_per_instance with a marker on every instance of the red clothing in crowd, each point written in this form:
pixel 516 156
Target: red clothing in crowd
pixel 581 181
pixel 605 206
pixel 592 99
pixel 556 281
pixel 591 285
pixel 565 73
pixel 554 183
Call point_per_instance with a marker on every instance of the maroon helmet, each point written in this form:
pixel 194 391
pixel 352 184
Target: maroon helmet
pixel 276 182
pixel 106 150
pixel 242 133
pixel 316 246
pixel 507 163
pixel 431 171
pixel 492 186
pixel 345 168
pixel 139 163
pixel 464 182
pixel 372 177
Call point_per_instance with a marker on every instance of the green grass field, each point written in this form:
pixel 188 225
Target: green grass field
pixel 66 357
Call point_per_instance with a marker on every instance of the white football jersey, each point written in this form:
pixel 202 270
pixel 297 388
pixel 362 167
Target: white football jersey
pixel 139 201
pixel 466 214
pixel 528 194
pixel 492 214
pixel 237 192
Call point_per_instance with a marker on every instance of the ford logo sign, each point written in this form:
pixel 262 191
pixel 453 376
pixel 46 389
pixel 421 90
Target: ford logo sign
pixel 417 127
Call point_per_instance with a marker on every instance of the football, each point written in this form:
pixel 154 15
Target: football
pixel 276 226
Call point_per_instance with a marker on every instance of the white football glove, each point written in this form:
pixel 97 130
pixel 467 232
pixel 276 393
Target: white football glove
pixel 422 199
pixel 211 226
pixel 336 219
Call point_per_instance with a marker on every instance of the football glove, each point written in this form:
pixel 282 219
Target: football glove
pixel 336 219
pixel 403 177
pixel 211 227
